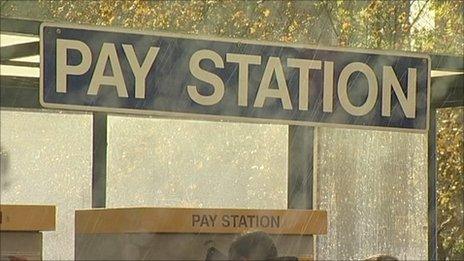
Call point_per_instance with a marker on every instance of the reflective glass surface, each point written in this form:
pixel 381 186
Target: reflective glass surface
pixel 373 185
pixel 181 163
pixel 47 160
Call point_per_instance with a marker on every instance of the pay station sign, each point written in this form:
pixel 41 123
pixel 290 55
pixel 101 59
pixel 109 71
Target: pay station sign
pixel 104 69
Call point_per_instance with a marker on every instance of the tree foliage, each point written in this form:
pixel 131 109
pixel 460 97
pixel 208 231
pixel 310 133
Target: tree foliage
pixel 450 155
pixel 418 25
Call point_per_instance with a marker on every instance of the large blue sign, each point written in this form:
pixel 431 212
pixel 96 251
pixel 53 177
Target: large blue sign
pixel 101 69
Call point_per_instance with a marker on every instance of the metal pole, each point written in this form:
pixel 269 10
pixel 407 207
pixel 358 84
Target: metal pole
pixel 300 167
pixel 432 185
pixel 99 160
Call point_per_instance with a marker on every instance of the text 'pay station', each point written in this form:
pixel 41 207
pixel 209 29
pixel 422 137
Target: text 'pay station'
pixel 88 68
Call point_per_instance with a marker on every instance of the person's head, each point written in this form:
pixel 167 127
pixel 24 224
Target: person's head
pixel 253 246
pixel 381 257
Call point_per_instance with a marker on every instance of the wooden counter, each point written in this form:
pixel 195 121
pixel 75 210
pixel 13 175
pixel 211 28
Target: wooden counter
pixel 189 220
pixel 27 218
pixel 21 229
pixel 186 233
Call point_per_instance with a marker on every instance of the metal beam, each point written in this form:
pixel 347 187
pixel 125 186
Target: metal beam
pixel 447 91
pixel 20 63
pixel 300 167
pixel 99 160
pixel 447 62
pixel 19 92
pixel 19 50
pixel 19 26
pixel 432 186
pixel 19 82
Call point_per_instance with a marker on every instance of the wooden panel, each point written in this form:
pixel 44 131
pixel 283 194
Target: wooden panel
pixel 180 220
pixel 20 245
pixel 27 218
pixel 164 246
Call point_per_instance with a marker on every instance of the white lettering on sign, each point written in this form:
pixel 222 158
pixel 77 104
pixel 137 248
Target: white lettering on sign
pixel 243 61
pixel 206 76
pixel 304 66
pixel 107 54
pixel 343 89
pixel 273 69
pixel 140 71
pixel 408 104
pixel 63 69
pixel 327 94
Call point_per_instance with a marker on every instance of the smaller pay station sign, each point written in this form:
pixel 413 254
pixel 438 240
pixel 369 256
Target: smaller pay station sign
pixel 104 69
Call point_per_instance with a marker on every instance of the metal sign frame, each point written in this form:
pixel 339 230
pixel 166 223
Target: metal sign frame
pixel 199 116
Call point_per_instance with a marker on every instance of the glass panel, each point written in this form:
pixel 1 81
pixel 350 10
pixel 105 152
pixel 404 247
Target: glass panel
pixel 180 163
pixel 47 160
pixel 374 186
